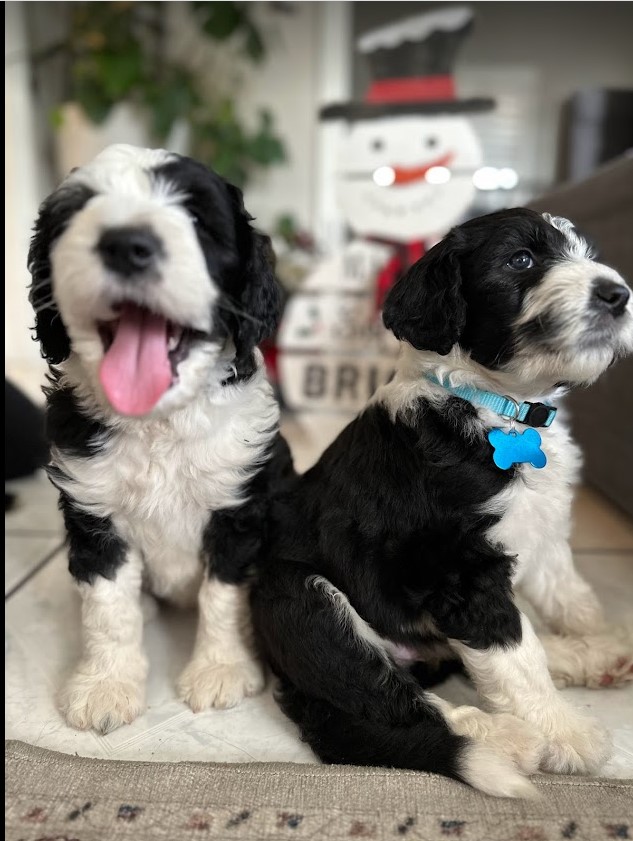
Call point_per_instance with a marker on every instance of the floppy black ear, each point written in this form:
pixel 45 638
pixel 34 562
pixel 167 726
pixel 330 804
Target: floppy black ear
pixel 260 300
pixel 426 307
pixel 54 215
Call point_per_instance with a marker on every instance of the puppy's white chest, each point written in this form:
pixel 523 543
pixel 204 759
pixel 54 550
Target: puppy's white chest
pixel 165 492
pixel 159 483
pixel 535 507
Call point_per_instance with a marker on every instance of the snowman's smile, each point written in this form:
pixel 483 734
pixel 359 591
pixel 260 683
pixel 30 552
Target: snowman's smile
pixel 399 175
pixel 424 199
pixel 408 175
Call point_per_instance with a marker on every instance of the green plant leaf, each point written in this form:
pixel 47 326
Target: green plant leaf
pixel 91 99
pixel 56 117
pixel 254 44
pixel 222 19
pixel 265 119
pixel 287 227
pixel 120 72
pixel 225 112
pixel 264 147
pixel 174 98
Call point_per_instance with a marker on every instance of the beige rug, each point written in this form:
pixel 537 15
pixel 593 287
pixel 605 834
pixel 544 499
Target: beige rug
pixel 56 797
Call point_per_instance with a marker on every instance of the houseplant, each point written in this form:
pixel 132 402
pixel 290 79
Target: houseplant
pixel 133 69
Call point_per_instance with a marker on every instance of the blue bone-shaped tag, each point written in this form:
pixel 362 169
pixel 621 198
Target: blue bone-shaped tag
pixel 516 448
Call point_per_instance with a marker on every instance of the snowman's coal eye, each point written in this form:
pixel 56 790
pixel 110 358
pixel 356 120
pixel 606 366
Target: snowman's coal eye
pixel 430 142
pixel 377 145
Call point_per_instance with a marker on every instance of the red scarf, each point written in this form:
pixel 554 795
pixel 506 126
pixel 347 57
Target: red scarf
pixel 406 254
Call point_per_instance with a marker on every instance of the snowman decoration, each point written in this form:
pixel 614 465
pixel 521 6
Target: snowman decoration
pixel 406 167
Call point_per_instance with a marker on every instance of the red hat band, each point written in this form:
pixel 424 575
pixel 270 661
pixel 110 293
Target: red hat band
pixel 411 89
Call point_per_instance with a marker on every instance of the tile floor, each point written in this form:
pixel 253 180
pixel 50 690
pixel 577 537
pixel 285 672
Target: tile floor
pixel 42 641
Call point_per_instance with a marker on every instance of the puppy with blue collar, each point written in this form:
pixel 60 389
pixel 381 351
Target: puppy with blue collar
pixel 405 543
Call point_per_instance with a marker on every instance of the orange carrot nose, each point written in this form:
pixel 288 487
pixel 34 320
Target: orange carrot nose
pixel 407 175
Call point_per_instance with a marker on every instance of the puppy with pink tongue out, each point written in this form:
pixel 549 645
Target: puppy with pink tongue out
pixel 151 291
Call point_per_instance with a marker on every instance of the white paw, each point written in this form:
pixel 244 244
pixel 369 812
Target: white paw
pixel 102 703
pixel 610 662
pixel 506 734
pixel 576 745
pixel 598 661
pixel 493 773
pixel 205 683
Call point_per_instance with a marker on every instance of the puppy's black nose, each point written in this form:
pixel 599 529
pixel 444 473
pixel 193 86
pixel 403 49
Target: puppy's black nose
pixel 611 295
pixel 128 251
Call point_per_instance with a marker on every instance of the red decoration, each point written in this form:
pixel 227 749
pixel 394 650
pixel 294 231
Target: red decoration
pixel 411 89
pixel 403 259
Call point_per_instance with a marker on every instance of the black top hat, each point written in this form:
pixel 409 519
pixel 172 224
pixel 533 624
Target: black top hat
pixel 411 65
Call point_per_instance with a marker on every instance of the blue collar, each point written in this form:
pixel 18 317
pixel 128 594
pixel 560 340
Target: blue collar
pixel 530 414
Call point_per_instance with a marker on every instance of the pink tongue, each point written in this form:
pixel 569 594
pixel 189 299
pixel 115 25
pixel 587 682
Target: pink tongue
pixel 135 372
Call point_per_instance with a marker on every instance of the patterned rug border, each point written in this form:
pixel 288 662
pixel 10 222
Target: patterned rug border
pixel 53 796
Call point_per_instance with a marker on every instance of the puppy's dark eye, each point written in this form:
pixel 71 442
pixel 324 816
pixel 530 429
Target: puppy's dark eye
pixel 430 142
pixel 521 260
pixel 377 145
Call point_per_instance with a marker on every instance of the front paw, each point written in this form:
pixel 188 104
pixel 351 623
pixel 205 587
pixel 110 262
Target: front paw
pixel 206 683
pixel 576 745
pixel 102 703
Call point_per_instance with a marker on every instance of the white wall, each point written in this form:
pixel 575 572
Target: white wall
pixel 285 84
pixel 334 80
pixel 21 198
pixel 309 65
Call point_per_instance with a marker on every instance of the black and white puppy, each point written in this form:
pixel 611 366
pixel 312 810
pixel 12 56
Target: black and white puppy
pixel 405 541
pixel 151 292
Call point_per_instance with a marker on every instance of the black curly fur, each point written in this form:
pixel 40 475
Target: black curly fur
pixel 54 215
